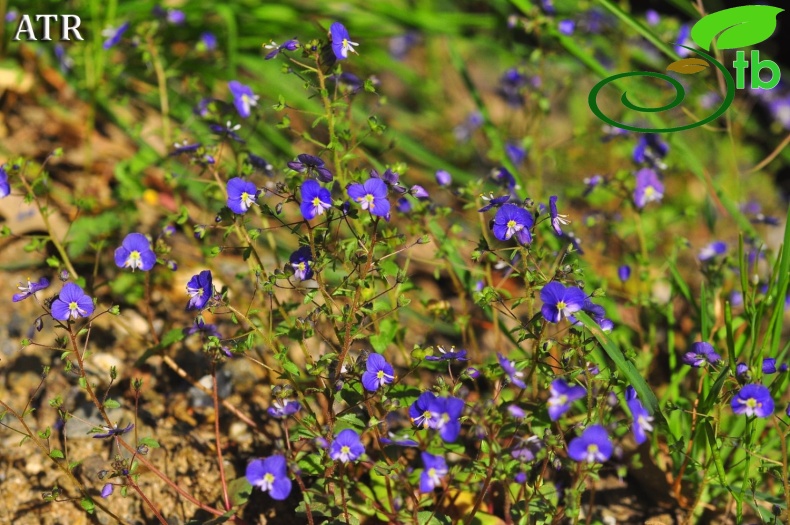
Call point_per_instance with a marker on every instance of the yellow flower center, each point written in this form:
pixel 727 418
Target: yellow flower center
pixel 135 255
pixel 317 202
pixel 380 374
pixel 511 224
pixel 345 450
pixel 73 306
pixel 561 305
pixel 650 191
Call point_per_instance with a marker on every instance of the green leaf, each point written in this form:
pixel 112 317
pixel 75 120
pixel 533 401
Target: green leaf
pixel 239 490
pixel 429 518
pixel 88 504
pixel 111 403
pixel 148 442
pixel 56 454
pixel 739 27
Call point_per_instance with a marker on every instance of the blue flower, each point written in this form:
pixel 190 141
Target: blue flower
pixel 513 220
pixel 515 153
pixel 712 250
pixel 30 289
pixel 503 177
pixel 346 446
pixel 683 39
pixel 700 354
pixel 753 400
pixel 315 199
pixel 452 355
pixel 419 410
pixel 208 40
pixel 651 149
pixel 648 188
pixel 135 253
pixel 341 41
pixel 592 446
pixel 399 441
pixel 435 470
pixel 114 35
pixel 559 300
pixel 284 408
pixel 511 87
pixel 312 165
pixel 200 289
pixel 113 431
pixel 642 418
pixel 243 98
pixel 493 202
pixel 379 373
pixel 445 412
pixel 270 475
pixel 301 261
pixel 5 188
pixel 566 27
pixel 371 196
pixel 562 395
pixel 107 490
pixel 556 218
pixel 515 376
pixel 241 195
pixel 624 272
pixel 228 130
pixel 290 45
pixel 72 302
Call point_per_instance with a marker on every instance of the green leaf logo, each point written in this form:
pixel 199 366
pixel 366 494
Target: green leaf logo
pixel 739 27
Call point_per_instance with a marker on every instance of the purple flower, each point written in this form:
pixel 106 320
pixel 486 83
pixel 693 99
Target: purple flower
pixel 371 195
pixel 30 289
pixel 652 17
pixel 452 355
pixel 114 35
pixel 753 400
pixel 113 431
pixel 315 199
pixel 176 17
pixel 301 261
pixel 435 469
pixel 259 163
pixel 443 178
pixel 403 205
pixel 201 326
pixel 312 165
pixel 243 98
pixel 648 188
pixel 556 218
pixel 651 149
pixel 208 40
pixel 503 177
pixel 511 87
pixel 241 195
pixel 419 192
pixel 379 373
pixel 516 411
pixel 515 376
pixel 592 182
pixel 135 253
pixel 270 475
pixel 769 366
pixel 566 27
pixel 527 449
pixel 71 303
pixel 228 130
pixel 592 446
pixel 515 153
pixel 562 395
pixel 642 418
pixel 445 412
pixel 513 220
pixel 341 41
pixel 493 202
pixel 346 446
pixel 740 369
pixel 624 272
pixel 683 40
pixel 597 313
pixel 290 45
pixel 419 410
pixel 712 250
pixel 282 408
pixel 700 354
pixel 106 490
pixel 200 289
pixel 5 188
pixel 559 300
